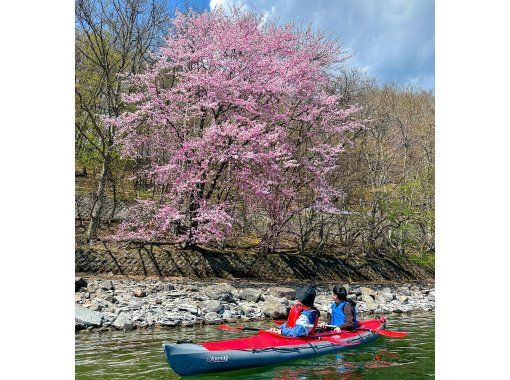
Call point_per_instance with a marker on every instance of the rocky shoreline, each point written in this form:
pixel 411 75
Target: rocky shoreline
pixel 126 304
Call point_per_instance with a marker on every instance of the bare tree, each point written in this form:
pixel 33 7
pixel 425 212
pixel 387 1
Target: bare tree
pixel 112 37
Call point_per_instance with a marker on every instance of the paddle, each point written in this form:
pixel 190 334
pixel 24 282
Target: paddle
pixel 233 328
pixel 386 333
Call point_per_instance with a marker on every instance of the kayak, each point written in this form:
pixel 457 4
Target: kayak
pixel 263 349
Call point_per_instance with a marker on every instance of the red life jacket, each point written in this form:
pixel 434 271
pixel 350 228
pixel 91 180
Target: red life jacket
pixel 295 312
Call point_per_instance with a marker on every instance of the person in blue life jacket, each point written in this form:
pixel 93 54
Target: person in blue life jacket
pixel 343 311
pixel 303 316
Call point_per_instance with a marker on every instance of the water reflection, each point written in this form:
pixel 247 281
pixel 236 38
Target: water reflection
pixel 138 355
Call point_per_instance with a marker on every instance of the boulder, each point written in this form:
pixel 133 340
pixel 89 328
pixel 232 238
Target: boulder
pixel 168 287
pixel 212 316
pixel 92 306
pixel 284 301
pixel 123 322
pixel 190 308
pixel 176 294
pixel 281 292
pixel 191 288
pixel 366 291
pixel 380 299
pixel 211 306
pixel 347 287
pixel 222 292
pixel 247 309
pixel 370 304
pixel 431 296
pixel 227 314
pixel 106 285
pixel 250 294
pixel 385 294
pixel 84 317
pixel 79 283
pixel 105 296
pixel 167 322
pixel 274 309
pixel 404 290
pixel 139 292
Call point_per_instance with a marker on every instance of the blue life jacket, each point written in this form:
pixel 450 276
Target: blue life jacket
pixel 338 315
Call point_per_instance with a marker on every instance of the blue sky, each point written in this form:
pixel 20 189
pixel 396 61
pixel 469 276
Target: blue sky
pixel 392 40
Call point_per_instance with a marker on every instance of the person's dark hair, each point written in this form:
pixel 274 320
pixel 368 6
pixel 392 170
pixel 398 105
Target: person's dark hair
pixel 306 295
pixel 340 292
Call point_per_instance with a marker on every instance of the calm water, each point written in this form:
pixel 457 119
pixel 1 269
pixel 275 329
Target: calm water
pixel 138 355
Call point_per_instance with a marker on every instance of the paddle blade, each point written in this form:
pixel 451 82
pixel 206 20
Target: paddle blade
pixel 391 334
pixel 228 328
pixel 278 322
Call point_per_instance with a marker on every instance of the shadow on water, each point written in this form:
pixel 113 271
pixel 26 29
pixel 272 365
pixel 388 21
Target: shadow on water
pixel 138 355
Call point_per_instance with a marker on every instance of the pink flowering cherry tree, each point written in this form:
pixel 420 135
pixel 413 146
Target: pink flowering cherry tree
pixel 234 112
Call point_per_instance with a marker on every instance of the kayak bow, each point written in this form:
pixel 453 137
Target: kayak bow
pixel 262 349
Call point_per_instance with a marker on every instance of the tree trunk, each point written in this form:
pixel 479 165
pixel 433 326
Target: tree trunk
pixel 95 219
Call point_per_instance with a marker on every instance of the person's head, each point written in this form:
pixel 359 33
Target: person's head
pixel 339 293
pixel 306 295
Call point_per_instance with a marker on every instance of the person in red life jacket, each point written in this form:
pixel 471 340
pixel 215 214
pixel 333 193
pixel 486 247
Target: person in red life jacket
pixel 343 311
pixel 303 316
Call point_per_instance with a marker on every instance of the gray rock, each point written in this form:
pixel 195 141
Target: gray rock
pixel 247 309
pixel 174 316
pixel 380 299
pixel 250 294
pixel 366 291
pixel 274 309
pixel 385 294
pixel 106 285
pixel 404 290
pixel 281 292
pixel 79 283
pixel 190 288
pixel 123 322
pixel 176 294
pixel 168 287
pixel 138 292
pixel 212 316
pixel 190 308
pixel 221 292
pixel 227 314
pixel 347 287
pixel 402 298
pixel 415 288
pixel 84 317
pixel 431 296
pixel 105 296
pixel 370 304
pixel 166 322
pixel 92 306
pixel 284 301
pixel 211 306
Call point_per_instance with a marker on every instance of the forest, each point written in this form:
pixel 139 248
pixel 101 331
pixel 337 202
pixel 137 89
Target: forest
pixel 220 129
